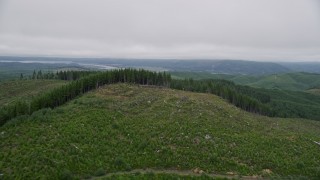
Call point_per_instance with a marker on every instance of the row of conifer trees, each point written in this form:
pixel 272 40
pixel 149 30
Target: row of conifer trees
pixel 91 81
pixel 61 75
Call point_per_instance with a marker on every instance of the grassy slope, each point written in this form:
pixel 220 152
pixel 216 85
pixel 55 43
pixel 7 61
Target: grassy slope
pixel 121 127
pixel 25 89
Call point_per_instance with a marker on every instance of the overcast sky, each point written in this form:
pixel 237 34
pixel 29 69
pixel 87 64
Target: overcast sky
pixel 272 30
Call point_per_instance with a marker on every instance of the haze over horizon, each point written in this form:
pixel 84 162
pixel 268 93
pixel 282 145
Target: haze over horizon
pixel 266 30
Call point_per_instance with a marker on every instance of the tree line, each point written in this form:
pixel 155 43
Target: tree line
pixel 61 75
pixel 84 81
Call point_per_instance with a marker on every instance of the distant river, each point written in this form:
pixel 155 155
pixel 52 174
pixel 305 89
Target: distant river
pixel 94 66
pixel 97 66
pixel 43 62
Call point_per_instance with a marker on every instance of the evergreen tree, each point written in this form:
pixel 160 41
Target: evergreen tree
pixel 34 74
pixel 39 75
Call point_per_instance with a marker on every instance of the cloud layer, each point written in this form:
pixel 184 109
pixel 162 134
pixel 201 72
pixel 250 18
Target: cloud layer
pixel 270 30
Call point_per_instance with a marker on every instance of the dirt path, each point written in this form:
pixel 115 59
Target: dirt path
pixel 179 172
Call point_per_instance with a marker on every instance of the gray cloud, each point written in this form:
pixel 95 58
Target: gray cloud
pixel 248 29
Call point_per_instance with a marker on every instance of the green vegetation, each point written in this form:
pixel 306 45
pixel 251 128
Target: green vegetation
pixel 151 175
pixel 124 127
pixel 249 99
pixel 93 127
pixel 12 91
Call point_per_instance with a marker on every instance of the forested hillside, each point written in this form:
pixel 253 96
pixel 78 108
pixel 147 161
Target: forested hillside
pixel 65 93
pixel 249 99
pixel 122 128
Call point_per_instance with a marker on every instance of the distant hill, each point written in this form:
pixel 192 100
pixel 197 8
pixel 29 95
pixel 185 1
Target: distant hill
pixel 247 68
pixel 312 67
pixel 221 66
pixel 290 81
pixel 211 66
pixel 297 81
pixel 125 129
pixel 196 65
